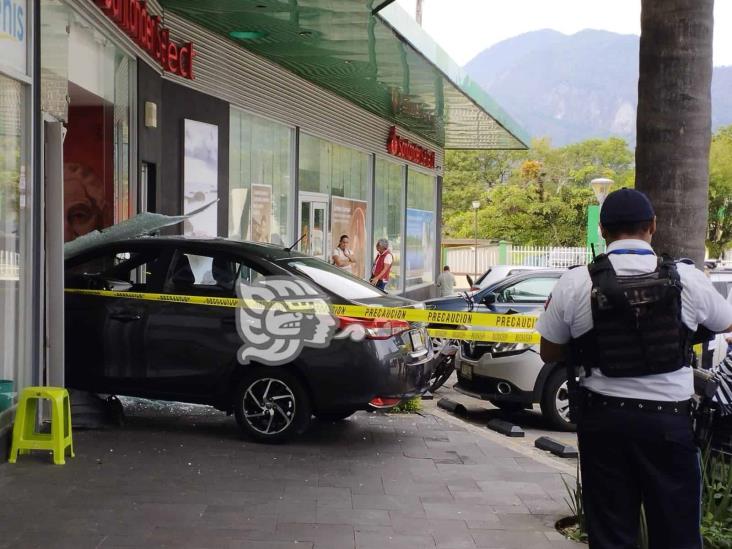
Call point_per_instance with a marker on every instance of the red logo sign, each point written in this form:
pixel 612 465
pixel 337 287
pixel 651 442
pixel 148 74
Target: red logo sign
pixel 145 29
pixel 398 146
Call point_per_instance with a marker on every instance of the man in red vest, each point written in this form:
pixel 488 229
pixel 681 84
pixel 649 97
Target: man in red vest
pixel 382 264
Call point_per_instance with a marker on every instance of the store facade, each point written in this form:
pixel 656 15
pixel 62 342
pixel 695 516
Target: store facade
pixel 285 159
pixel 149 106
pixel 18 291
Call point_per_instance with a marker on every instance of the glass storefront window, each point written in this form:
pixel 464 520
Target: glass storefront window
pixel 97 143
pixel 421 224
pixel 12 238
pixel 332 169
pixel 259 179
pixel 389 213
pixel 338 177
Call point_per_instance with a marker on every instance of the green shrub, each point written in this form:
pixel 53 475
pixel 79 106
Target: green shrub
pixel 411 406
pixel 574 502
pixel 717 500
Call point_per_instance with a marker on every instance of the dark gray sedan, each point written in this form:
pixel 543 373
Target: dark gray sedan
pixel 135 334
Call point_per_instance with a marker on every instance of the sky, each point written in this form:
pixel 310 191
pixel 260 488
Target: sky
pixel 464 28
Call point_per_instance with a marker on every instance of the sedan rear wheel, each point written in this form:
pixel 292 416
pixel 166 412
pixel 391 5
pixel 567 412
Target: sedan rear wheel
pixel 271 405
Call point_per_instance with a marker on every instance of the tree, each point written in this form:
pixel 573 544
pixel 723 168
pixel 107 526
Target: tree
pixel 539 196
pixel 719 233
pixel 674 120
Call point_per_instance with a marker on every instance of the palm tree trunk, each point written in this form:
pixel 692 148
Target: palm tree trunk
pixel 674 120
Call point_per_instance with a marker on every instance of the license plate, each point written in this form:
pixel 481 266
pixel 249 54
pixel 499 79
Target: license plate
pixel 417 341
pixel 467 371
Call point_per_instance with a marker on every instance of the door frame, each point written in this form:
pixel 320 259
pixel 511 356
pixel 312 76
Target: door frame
pixel 306 196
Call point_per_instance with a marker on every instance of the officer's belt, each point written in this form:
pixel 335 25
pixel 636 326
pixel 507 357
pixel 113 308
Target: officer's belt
pixel 592 400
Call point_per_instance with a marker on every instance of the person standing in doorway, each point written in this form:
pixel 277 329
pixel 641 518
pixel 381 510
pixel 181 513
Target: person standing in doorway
pixel 627 322
pixel 342 256
pixel 382 264
pixel 445 282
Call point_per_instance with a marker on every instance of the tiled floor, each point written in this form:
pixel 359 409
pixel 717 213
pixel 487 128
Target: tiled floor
pixel 182 477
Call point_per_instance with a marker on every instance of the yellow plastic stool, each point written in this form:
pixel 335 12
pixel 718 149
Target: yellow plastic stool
pixel 25 436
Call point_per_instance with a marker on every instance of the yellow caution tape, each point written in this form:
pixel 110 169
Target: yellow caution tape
pixel 490 320
pixel 230 302
pixel 529 338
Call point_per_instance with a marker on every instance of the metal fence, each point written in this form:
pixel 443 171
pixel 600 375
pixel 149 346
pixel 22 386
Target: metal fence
pixel 545 256
pixel 9 265
pixel 462 260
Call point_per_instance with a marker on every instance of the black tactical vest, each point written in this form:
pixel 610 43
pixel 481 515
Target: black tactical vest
pixel 637 327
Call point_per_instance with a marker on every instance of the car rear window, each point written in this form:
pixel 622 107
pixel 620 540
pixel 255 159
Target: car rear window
pixel 331 278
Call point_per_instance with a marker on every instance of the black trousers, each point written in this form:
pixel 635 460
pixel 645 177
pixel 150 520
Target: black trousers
pixel 633 456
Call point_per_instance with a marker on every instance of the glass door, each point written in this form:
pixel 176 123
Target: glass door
pixel 314 225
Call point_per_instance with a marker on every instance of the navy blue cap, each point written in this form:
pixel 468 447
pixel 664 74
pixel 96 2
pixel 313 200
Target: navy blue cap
pixel 626 206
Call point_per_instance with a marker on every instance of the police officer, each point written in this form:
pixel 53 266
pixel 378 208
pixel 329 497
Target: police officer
pixel 627 321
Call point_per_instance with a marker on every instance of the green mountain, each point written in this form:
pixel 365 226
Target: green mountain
pixel 571 88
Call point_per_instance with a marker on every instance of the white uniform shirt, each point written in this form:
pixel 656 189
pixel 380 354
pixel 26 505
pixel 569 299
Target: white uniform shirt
pixel 568 315
pixel 340 254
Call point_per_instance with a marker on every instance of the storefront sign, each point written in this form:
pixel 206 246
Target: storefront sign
pixel 145 29
pixel 13 53
pixel 398 146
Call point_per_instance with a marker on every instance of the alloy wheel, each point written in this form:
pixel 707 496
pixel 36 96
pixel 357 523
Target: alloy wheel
pixel 269 406
pixel 561 401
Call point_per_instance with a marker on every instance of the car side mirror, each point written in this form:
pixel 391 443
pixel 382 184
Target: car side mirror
pixel 490 298
pixel 470 280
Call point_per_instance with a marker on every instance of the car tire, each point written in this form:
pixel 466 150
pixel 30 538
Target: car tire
pixel 555 401
pixel 507 406
pixel 271 405
pixel 334 416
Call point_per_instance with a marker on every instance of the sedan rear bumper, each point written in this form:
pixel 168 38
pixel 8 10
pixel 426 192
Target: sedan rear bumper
pixel 349 375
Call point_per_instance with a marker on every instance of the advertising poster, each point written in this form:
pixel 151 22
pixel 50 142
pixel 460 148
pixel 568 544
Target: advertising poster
pixel 261 212
pixel 88 169
pixel 420 244
pixel 349 217
pixel 200 177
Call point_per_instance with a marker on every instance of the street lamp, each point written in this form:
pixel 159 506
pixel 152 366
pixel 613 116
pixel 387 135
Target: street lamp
pixel 476 206
pixel 601 188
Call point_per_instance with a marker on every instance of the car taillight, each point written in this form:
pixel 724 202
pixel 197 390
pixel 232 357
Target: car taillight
pixel 376 328
pixel 384 402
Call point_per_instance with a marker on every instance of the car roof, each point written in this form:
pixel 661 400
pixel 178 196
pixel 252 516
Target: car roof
pixel 525 276
pixel 270 251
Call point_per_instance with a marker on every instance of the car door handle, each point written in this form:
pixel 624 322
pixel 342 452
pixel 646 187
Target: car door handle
pixel 125 317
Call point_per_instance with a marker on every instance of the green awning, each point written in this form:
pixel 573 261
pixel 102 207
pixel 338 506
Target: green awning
pixel 386 63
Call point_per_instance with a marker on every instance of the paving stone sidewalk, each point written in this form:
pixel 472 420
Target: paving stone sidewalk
pixel 182 477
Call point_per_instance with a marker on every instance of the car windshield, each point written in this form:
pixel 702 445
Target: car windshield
pixel 332 278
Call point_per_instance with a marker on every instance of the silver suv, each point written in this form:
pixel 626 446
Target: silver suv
pixel 512 376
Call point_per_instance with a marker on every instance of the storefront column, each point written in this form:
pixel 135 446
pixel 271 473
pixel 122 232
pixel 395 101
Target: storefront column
pixel 438 224
pixel 403 251
pixel 36 205
pixel 294 204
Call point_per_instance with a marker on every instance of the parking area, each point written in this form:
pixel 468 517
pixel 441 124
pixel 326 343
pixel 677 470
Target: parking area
pixel 181 476
pixel 480 412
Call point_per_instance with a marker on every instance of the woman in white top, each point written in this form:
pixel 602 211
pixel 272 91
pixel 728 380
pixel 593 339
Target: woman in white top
pixel 342 257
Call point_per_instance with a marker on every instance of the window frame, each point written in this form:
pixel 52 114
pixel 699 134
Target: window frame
pixel 539 300
pixel 163 252
pixel 212 253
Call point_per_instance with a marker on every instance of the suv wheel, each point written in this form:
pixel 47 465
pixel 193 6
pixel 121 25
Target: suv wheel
pixel 555 401
pixel 271 405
